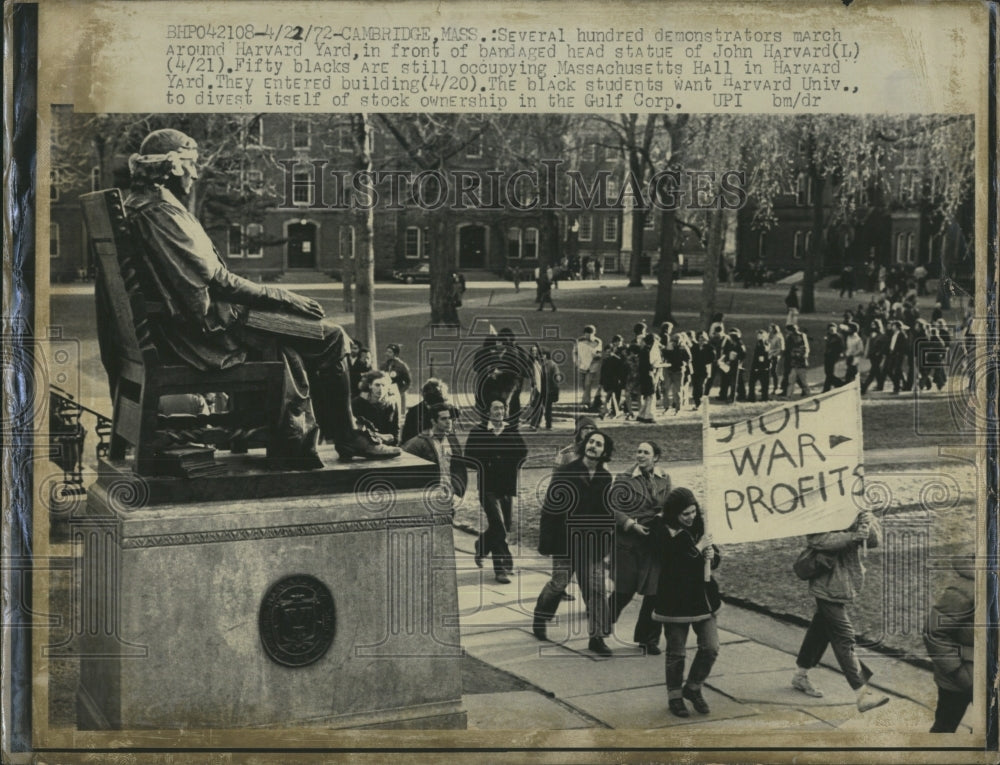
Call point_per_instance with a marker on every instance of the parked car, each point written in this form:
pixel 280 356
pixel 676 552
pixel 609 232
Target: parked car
pixel 421 273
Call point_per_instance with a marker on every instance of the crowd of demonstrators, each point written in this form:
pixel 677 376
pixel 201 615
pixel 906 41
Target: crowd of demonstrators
pixel 497 449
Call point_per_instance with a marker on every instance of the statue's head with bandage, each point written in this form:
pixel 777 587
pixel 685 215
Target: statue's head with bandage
pixel 167 157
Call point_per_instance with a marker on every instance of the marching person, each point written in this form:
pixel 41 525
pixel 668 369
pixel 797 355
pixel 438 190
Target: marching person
pixel 834 588
pixel 687 597
pixel 950 640
pixel 439 445
pixel 587 355
pixel 854 351
pixel 776 357
pixel 399 373
pixel 498 449
pixel 638 495
pixel 702 361
pixel 576 530
pixel 877 350
pixel 760 367
pixel 797 348
pixel 833 351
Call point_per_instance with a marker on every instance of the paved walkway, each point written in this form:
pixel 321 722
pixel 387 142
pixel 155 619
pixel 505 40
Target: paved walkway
pixel 748 690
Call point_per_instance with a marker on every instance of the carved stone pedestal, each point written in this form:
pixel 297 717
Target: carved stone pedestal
pixel 335 609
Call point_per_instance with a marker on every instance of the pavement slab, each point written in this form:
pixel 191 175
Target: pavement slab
pixel 508 711
pixel 646 708
pixel 774 687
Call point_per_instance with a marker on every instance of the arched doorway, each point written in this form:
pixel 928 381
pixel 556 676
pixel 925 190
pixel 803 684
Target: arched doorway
pixel 472 246
pixel 301 246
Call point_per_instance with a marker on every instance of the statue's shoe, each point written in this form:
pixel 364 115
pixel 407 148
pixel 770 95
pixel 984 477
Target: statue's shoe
pixel 360 445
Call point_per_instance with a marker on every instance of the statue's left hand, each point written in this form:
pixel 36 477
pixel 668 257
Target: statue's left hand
pixel 305 306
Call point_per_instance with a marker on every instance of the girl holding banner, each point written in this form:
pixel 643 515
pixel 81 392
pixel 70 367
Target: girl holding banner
pixel 686 596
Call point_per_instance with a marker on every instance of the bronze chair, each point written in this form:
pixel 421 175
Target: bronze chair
pixel 145 369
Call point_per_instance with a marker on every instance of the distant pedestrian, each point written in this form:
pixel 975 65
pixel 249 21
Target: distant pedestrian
pixel 544 286
pixel 792 304
pixel 516 276
pixel 687 596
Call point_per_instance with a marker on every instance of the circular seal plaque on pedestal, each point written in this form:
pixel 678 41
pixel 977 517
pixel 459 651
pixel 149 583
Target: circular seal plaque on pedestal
pixel 297 620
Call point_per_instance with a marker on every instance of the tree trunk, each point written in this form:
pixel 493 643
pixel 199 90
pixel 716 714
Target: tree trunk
pixel 441 262
pixel 665 275
pixel 635 264
pixel 813 261
pixel 364 307
pixel 710 281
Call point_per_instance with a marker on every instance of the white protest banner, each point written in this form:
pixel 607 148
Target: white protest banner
pixel 790 471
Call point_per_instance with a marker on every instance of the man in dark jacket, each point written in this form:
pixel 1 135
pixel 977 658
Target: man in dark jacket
pixel 950 640
pixel 833 351
pixel 733 385
pixel 577 530
pixel 440 446
pixel 497 449
pixel 702 361
pixel 877 350
pixel 760 368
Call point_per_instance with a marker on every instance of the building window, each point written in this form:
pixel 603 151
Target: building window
pixel 900 247
pixel 530 248
pixel 797 245
pixel 302 187
pixel 592 153
pixel 347 242
pixel 761 244
pixel 53 240
pixel 610 263
pixel 413 243
pixel 612 190
pixel 255 131
pixel 254 240
pixel 803 190
pixel 95 179
pixel 474 149
pixel 611 228
pixel 650 223
pixel 513 243
pixel 808 239
pixel 911 250
pixel 345 141
pixel 301 137
pixel 255 180
pixel 235 240
pixel 54 185
pixel 586 228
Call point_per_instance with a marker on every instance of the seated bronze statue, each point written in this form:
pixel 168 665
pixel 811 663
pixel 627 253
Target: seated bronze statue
pixel 218 320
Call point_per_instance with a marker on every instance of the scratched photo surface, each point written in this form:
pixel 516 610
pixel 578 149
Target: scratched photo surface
pixel 747 250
